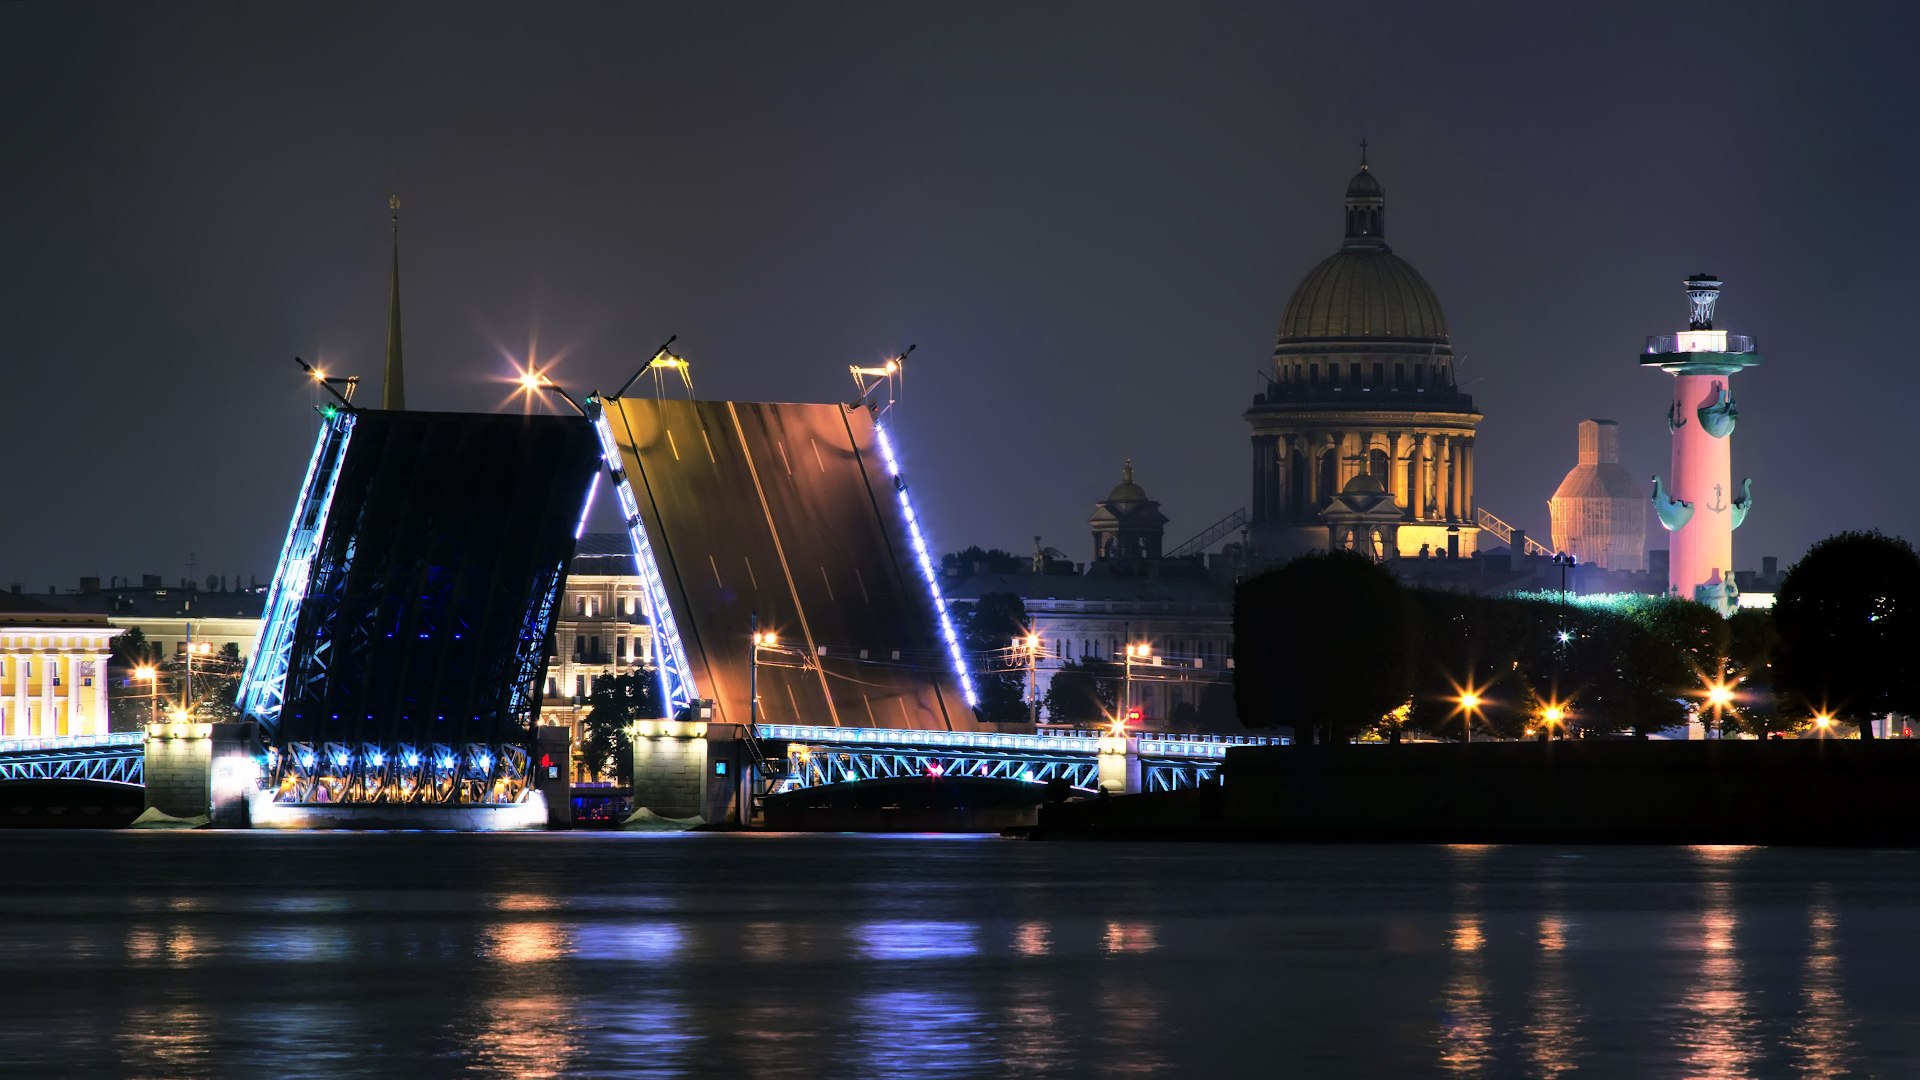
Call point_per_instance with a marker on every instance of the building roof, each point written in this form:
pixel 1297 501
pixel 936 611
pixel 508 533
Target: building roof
pixel 168 603
pixel 1363 294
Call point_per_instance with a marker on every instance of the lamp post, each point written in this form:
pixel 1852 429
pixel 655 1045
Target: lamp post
pixel 1141 652
pixel 145 673
pixel 1469 704
pixel 1030 644
pixel 760 641
pixel 1719 699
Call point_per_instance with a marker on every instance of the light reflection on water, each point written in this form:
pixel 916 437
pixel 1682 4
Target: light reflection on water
pixel 207 954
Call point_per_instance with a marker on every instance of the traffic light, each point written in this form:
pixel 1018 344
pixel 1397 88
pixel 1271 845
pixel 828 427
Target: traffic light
pixel 1133 715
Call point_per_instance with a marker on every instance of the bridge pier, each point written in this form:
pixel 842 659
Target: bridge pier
pixel 1120 764
pixel 200 768
pixel 688 767
pixel 553 772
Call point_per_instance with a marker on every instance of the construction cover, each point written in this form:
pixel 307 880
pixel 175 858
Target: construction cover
pixel 793 513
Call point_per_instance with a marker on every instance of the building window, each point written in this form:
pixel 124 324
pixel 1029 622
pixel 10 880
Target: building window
pixel 579 605
pixel 593 646
pixel 579 648
pixel 553 688
pixel 1378 465
pixel 1353 373
pixel 579 686
pixel 1399 376
pixel 1379 374
pixel 620 648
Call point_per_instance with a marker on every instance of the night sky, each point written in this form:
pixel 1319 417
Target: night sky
pixel 1088 217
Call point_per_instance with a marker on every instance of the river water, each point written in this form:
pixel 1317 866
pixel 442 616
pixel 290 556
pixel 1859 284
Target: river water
pixel 583 954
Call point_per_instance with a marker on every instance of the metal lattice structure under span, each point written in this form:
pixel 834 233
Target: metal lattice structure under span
pixel 406 634
pixel 119 758
pixel 263 685
pixel 819 766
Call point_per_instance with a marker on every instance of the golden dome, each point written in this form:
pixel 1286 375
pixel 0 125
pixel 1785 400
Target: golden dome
pixel 1363 294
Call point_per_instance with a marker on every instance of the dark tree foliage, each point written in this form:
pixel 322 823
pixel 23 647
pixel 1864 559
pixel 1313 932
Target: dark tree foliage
pixel 1500 649
pixel 1324 643
pixel 1752 640
pixel 987 629
pixel 1848 616
pixel 1086 691
pixel 988 560
pixel 615 702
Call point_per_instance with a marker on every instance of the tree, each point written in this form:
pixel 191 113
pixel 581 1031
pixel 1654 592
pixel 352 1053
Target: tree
pixel 1848 615
pixel 1752 641
pixel 615 702
pixel 989 560
pixel 987 629
pixel 1325 643
pixel 1086 691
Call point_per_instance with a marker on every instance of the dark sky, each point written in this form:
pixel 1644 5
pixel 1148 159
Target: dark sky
pixel 1088 217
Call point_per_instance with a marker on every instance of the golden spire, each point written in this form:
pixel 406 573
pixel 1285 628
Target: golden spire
pixel 393 388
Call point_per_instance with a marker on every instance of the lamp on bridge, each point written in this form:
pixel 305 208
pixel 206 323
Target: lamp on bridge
pixel 150 675
pixel 1141 653
pixel 1029 646
pixel 762 639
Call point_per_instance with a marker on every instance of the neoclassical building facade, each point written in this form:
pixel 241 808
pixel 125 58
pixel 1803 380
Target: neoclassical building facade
pixel 53 676
pixel 1362 402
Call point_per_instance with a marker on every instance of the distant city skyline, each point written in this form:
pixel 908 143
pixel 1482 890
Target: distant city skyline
pixel 1088 219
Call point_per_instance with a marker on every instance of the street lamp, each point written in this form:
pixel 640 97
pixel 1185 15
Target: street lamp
pixel 1142 652
pixel 1719 699
pixel 761 640
pixel 1030 645
pixel 1823 721
pixel 147 674
pixel 1553 716
pixel 1467 704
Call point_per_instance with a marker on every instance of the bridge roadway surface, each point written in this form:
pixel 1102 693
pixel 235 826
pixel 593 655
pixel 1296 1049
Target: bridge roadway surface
pixel 790 511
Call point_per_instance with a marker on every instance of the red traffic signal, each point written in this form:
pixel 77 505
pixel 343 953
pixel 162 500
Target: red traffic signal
pixel 1133 715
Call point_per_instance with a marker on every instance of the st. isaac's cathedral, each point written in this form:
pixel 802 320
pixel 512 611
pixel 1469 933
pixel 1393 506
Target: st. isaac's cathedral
pixel 1362 438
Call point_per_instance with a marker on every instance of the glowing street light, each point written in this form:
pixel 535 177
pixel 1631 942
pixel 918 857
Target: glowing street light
pixel 1467 703
pixel 150 675
pixel 1720 700
pixel 1141 652
pixel 1823 721
pixel 1029 646
pixel 761 639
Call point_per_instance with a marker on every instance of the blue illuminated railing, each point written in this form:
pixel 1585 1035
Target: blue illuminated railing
pixel 263 686
pixel 119 758
pixel 925 561
pixel 674 670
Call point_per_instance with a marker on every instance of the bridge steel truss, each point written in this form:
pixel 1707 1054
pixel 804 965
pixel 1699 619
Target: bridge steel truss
pixel 817 756
pixel 118 759
pixel 406 627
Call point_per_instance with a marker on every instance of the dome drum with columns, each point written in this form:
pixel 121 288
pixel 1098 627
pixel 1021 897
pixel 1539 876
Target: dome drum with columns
pixel 1363 387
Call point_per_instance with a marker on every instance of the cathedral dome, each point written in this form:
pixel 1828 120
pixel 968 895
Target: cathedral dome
pixel 1363 294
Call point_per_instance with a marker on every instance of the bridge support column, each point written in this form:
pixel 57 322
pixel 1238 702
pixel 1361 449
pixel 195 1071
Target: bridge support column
pixel 193 769
pixel 688 767
pixel 1120 764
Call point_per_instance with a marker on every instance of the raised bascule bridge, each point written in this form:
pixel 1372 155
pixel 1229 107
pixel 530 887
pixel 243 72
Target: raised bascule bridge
pixel 801 638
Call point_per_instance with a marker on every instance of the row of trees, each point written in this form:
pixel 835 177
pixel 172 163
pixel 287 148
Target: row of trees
pixel 132 701
pixel 1335 646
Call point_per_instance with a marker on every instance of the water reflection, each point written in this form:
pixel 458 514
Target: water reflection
pixel 916 940
pixel 526 943
pixel 1129 937
pixel 1821 1038
pixel 1034 1040
pixel 170 944
pixel 1552 1033
pixel 1466 1028
pixel 919 1033
pixel 630 942
pixel 1718 1035
pixel 1031 939
pixel 1132 1037
pixel 170 1040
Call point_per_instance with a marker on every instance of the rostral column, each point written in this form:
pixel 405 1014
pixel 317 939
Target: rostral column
pixel 1698 504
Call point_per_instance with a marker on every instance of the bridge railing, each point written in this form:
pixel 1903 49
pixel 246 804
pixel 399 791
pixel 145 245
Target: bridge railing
pixel 72 742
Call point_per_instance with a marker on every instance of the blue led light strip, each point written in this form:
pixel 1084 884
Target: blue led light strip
pixel 926 570
pixel 675 673
pixel 263 686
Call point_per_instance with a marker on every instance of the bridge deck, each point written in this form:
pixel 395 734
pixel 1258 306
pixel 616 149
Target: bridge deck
pixel 790 511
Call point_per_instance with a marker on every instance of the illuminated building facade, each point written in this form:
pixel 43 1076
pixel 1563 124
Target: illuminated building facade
pixel 600 630
pixel 1697 501
pixel 1599 513
pixel 53 673
pixel 1363 386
